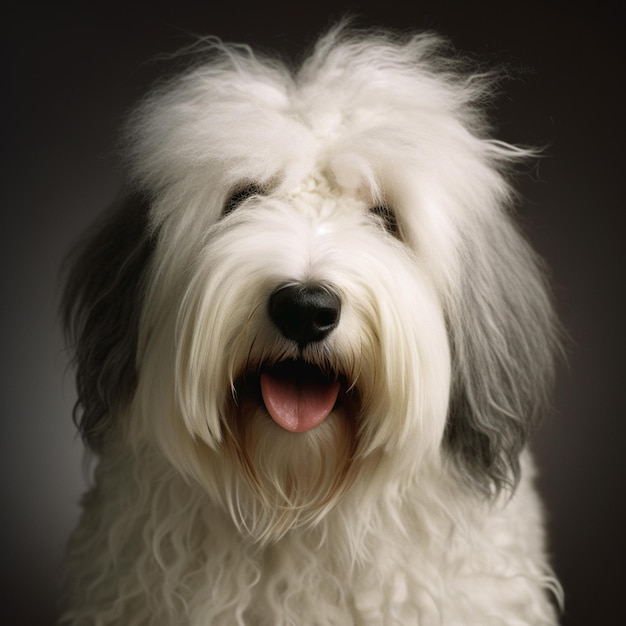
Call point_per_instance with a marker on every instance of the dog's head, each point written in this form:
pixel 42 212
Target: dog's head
pixel 314 281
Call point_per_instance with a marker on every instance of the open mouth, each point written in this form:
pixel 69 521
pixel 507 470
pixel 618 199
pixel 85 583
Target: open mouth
pixel 298 395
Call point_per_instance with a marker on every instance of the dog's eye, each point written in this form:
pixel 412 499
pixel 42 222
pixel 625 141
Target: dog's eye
pixel 241 193
pixel 388 219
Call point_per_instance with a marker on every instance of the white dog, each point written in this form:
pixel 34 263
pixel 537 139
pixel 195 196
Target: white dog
pixel 311 346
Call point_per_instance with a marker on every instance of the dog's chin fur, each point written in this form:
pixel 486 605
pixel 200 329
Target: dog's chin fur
pixel 365 175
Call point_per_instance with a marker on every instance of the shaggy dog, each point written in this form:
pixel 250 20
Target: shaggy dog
pixel 311 345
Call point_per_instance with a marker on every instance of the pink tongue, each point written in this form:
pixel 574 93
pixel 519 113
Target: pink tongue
pixel 298 403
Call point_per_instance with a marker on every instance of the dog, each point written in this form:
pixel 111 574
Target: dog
pixel 311 344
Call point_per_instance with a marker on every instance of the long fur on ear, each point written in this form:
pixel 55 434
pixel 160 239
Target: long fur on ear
pixel 101 308
pixel 504 338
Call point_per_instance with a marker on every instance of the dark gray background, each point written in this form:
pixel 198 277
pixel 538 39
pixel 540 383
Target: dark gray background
pixel 70 76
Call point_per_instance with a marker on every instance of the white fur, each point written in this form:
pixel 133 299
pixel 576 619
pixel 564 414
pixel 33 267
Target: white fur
pixel 205 511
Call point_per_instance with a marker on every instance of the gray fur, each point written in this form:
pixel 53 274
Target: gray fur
pixel 101 308
pixel 504 338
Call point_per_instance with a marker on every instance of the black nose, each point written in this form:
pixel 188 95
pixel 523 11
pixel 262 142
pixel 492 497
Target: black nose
pixel 305 312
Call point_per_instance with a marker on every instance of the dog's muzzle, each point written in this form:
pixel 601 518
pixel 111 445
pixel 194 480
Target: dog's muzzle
pixel 299 395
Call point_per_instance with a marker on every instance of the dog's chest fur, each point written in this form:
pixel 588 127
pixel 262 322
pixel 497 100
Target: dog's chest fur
pixel 403 563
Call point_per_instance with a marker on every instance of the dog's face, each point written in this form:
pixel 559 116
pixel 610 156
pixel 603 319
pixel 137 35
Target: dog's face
pixel 329 286
pixel 302 338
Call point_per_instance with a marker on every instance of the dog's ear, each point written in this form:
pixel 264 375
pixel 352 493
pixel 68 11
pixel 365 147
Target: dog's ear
pixel 504 338
pixel 101 307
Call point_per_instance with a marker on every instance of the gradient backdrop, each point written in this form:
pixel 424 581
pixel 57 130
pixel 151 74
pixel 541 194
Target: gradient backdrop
pixel 73 73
